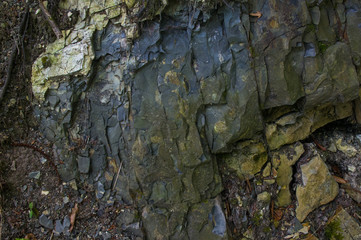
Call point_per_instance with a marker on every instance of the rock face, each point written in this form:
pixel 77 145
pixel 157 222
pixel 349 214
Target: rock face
pixel 319 187
pixel 169 91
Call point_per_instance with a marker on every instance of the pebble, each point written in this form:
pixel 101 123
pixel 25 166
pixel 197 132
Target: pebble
pixel 46 222
pixel 351 168
pixel 43 160
pixel 35 175
pixel 99 190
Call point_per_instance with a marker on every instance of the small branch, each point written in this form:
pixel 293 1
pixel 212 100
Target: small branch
pixel 14 52
pixel 50 20
pixel 116 178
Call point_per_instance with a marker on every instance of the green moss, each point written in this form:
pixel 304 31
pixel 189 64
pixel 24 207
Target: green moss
pixel 257 218
pixel 322 46
pixel 46 62
pixel 333 230
pixel 310 28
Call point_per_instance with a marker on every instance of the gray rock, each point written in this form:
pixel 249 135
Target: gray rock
pixel 99 190
pixel 83 164
pixel 35 175
pixel 46 222
pixel 315 14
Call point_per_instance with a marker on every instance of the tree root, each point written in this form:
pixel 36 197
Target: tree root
pixel 14 53
pixel 50 20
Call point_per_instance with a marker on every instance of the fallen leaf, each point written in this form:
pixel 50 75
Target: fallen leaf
pixel 30 236
pixel 278 214
pixel 257 14
pixel 339 180
pixel 74 211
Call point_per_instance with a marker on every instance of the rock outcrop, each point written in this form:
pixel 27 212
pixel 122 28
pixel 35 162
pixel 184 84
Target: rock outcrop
pixel 170 90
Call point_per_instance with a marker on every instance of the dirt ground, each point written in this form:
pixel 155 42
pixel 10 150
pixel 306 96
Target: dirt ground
pixel 29 183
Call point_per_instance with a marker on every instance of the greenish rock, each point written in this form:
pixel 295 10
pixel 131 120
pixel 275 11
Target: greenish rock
pixel 353 19
pixel 59 62
pixel 322 77
pixel 278 135
pixel 318 187
pixel 264 197
pixel 267 170
pixel 247 159
pixel 342 226
pixel 282 161
pixel 347 149
pixel 315 14
pixel 324 31
pixel 207 221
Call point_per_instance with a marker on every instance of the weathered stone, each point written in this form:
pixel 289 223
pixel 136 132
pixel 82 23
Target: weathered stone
pixel 353 27
pixel 83 164
pixel 46 222
pixel 99 191
pixel 167 98
pixel 347 149
pixel 278 135
pixel 283 160
pixel 264 197
pixel 315 14
pixel 342 226
pixel 247 160
pixel 59 61
pixel 318 188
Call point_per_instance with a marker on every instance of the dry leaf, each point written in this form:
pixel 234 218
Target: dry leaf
pixel 74 211
pixel 30 236
pixel 278 214
pixel 257 14
pixel 339 180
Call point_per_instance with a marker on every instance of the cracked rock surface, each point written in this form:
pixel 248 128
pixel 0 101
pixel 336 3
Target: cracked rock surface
pixel 171 92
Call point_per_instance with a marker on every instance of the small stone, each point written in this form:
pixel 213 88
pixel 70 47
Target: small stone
pixel 332 148
pixel 269 181
pixel 13 167
pixel 264 197
pixel 342 224
pixel 351 168
pixel 23 189
pixel 99 191
pixel 43 192
pixel 267 170
pixel 46 222
pixel 65 200
pixel 73 185
pixel 35 175
pixel 347 149
pixel 318 188
pixel 43 160
pixel 59 228
pixel 316 15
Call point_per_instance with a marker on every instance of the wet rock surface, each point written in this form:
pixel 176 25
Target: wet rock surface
pixel 164 114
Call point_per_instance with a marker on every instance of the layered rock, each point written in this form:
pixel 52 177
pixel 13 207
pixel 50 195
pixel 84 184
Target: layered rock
pixel 166 91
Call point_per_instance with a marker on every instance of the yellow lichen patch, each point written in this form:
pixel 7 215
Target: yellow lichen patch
pixel 220 126
pixel 156 139
pixel 274 23
pixel 139 150
pixel 172 77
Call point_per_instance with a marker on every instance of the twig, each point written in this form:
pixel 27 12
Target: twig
pixel 14 54
pixel 50 20
pixel 116 178
pixel 48 157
